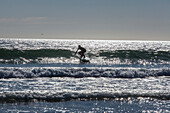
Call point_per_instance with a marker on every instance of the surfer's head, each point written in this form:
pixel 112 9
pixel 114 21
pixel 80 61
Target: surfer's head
pixel 79 46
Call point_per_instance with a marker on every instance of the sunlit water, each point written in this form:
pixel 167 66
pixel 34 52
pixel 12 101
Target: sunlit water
pixel 122 76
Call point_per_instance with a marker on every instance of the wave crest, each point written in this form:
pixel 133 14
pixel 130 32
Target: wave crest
pixel 82 72
pixel 65 96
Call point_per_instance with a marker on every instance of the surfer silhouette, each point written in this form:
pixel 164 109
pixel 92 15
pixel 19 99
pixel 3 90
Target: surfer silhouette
pixel 81 52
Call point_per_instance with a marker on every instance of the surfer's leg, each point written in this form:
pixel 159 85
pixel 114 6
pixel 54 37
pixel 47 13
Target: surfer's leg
pixel 81 57
pixel 81 54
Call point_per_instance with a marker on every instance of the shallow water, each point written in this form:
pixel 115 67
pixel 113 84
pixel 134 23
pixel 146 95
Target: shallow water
pixel 66 88
pixel 120 106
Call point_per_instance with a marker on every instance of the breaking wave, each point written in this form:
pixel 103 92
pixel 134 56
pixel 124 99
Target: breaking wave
pixel 82 72
pixel 65 96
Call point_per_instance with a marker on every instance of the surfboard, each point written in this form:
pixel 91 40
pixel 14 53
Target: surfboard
pixel 84 61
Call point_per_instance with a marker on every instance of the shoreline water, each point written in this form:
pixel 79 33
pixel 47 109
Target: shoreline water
pixel 143 106
pixel 56 89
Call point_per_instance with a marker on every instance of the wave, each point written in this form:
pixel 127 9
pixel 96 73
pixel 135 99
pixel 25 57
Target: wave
pixel 15 56
pixel 124 54
pixel 32 54
pixel 66 96
pixel 136 54
pixel 79 72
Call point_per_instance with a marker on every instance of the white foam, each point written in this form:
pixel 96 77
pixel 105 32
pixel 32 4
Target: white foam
pixel 56 89
pixel 119 72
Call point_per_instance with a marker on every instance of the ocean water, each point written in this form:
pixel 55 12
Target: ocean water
pixel 122 76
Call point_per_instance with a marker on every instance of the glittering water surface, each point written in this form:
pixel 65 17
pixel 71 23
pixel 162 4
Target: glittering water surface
pixel 121 106
pixel 122 76
pixel 58 89
pixel 98 51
